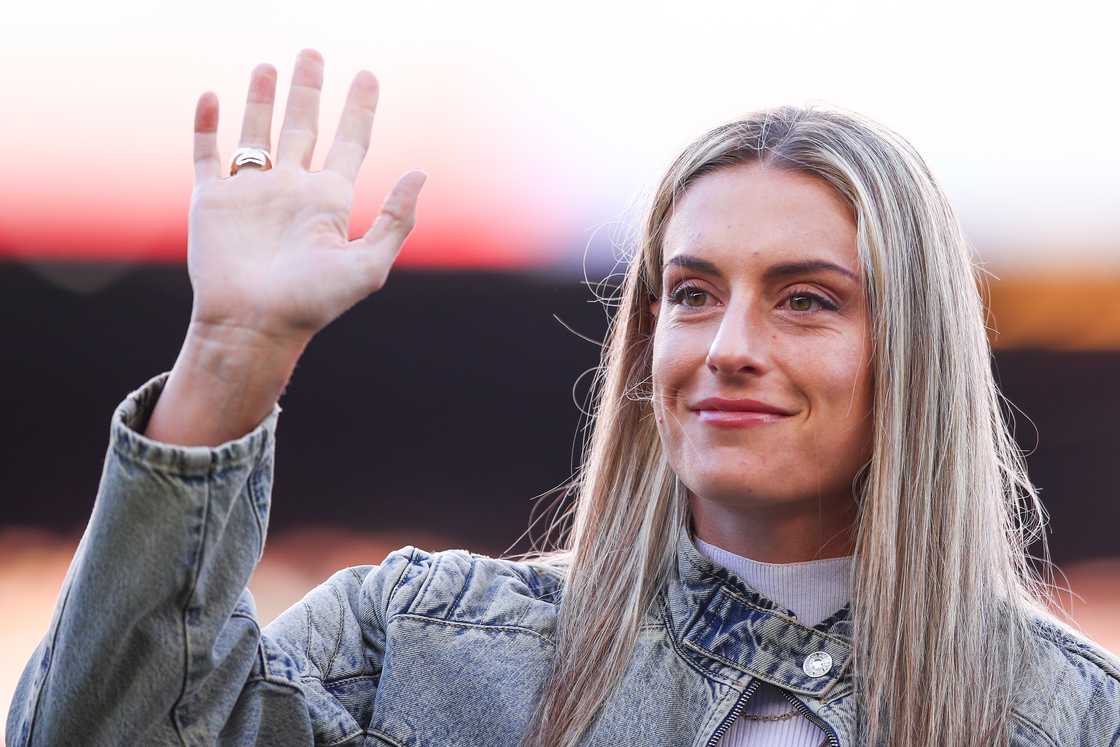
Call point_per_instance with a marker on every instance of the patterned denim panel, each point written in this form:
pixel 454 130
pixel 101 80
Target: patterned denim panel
pixel 767 645
pixel 718 615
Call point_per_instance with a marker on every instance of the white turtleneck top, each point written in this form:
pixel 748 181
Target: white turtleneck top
pixel 813 590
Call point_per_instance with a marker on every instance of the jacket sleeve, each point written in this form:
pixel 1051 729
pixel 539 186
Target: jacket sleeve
pixel 154 638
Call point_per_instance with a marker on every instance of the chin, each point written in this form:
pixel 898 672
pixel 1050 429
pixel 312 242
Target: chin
pixel 734 488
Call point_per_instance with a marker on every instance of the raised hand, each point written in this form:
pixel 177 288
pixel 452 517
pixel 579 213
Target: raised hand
pixel 268 250
pixel 268 255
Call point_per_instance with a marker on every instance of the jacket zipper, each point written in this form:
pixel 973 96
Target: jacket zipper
pixel 734 713
pixel 832 738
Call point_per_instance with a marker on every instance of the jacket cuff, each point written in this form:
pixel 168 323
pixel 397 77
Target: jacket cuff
pixel 131 417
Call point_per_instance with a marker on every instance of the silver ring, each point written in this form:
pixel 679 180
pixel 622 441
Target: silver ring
pixel 248 156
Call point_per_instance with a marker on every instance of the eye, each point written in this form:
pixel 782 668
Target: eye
pixel 799 297
pixel 801 301
pixel 689 296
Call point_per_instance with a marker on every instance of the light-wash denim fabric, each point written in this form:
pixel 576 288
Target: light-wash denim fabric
pixel 154 639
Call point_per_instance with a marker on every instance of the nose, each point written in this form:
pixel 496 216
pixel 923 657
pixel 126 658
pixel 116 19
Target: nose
pixel 738 346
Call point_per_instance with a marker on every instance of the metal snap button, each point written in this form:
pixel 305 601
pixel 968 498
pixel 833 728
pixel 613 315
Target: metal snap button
pixel 817 664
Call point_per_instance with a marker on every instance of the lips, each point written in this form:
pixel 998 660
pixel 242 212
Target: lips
pixel 739 405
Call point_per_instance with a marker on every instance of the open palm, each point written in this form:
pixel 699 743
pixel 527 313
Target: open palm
pixel 268 250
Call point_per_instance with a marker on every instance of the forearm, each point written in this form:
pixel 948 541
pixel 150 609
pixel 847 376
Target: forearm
pixel 224 382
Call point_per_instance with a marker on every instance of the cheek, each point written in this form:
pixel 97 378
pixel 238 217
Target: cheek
pixel 844 381
pixel 669 369
pixel 672 367
pixel 660 376
pixel 677 352
pixel 661 361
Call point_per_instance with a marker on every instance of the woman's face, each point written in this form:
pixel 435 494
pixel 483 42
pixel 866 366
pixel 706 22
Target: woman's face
pixel 738 319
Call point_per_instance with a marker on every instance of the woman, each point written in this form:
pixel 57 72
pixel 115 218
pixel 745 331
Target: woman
pixel 850 542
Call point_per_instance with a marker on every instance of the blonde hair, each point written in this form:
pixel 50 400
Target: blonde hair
pixel 942 590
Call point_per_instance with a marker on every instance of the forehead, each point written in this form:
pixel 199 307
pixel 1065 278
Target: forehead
pixel 750 213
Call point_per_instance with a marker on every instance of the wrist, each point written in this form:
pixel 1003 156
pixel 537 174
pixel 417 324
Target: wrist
pixel 240 342
pixel 239 361
pixel 224 383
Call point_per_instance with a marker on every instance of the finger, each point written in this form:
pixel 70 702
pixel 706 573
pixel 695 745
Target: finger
pixel 351 141
pixel 375 252
pixel 207 166
pixel 301 116
pixel 256 127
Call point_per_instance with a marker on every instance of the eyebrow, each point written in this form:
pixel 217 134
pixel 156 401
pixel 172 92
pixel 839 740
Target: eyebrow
pixel 772 273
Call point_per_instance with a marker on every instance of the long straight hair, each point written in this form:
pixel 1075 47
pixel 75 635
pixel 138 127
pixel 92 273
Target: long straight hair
pixel 942 588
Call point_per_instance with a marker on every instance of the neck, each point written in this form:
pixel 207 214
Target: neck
pixel 785 533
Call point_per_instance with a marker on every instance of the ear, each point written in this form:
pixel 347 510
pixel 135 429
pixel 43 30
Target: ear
pixel 654 308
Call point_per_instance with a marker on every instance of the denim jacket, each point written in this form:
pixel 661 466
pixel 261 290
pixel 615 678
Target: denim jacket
pixel 155 640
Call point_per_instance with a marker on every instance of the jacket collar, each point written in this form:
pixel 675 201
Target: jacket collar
pixel 730 629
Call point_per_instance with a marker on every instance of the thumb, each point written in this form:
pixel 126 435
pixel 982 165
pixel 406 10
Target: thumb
pixel 396 218
pixel 371 256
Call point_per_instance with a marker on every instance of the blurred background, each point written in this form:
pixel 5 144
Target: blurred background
pixel 437 411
